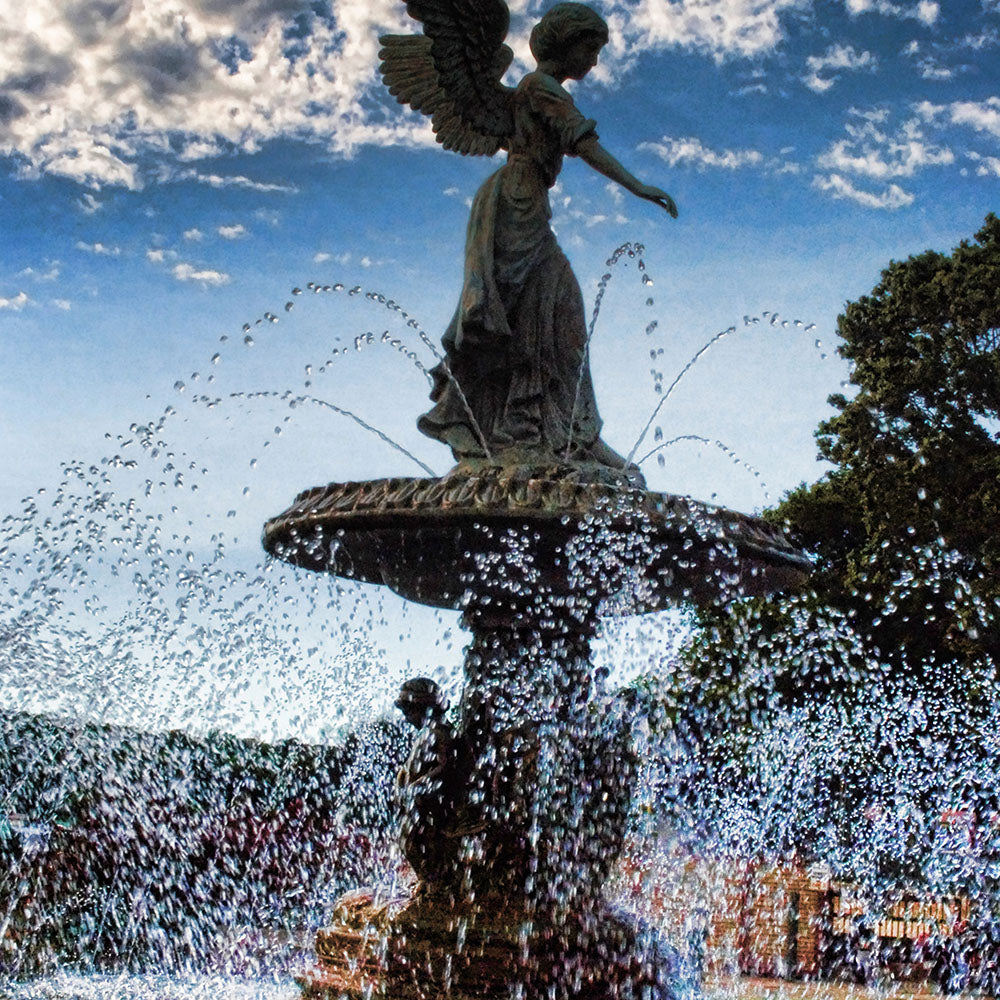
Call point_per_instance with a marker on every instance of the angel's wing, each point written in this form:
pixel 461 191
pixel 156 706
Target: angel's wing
pixel 452 72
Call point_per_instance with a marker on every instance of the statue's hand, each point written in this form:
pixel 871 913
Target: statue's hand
pixel 658 197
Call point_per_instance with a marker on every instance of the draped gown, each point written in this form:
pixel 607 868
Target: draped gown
pixel 517 342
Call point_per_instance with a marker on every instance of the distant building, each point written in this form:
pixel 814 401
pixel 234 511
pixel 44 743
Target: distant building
pixel 791 920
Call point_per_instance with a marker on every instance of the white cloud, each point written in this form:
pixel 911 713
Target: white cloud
pixel 988 166
pixel 115 92
pixel 159 256
pixel 192 235
pixel 720 28
pixel 690 150
pixel 983 116
pixel 233 180
pixel 50 273
pixel 986 39
pixel 100 249
pixel 321 257
pixel 928 12
pixel 836 57
pixel 17 303
pixel 932 70
pixel 871 150
pixel 268 215
pixel 451 192
pixel 88 204
pixel 892 197
pixel 63 304
pixel 188 272
pixel 234 232
pixel 925 11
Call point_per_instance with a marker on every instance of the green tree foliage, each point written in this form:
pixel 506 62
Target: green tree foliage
pixel 906 526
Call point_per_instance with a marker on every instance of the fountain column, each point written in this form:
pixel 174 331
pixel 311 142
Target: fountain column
pixel 516 826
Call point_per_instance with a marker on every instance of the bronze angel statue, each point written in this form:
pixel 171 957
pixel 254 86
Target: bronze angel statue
pixel 514 385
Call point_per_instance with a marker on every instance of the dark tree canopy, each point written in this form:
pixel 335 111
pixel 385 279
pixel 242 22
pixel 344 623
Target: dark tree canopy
pixel 906 526
pixel 881 673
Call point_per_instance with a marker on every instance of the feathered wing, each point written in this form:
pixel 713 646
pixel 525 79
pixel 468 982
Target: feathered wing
pixel 452 72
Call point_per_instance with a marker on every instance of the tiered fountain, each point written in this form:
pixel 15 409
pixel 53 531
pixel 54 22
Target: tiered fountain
pixel 514 816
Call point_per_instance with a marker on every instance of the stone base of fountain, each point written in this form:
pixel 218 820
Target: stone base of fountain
pixel 514 817
pixel 424 948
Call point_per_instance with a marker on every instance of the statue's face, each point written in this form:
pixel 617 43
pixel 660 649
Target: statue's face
pixel 581 57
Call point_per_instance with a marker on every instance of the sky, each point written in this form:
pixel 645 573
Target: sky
pixel 176 178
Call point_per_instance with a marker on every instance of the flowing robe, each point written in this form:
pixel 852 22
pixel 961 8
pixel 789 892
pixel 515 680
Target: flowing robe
pixel 517 343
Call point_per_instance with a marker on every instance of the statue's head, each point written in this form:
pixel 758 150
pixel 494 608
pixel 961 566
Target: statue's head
pixel 565 26
pixel 420 698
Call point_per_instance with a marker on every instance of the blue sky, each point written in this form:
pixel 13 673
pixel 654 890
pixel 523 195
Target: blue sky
pixel 170 172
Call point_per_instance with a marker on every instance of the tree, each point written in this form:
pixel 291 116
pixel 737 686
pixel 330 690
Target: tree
pixel 907 526
pixel 891 651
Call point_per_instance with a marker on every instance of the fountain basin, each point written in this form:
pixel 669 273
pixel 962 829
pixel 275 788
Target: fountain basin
pixel 436 541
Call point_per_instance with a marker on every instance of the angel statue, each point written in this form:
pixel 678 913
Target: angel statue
pixel 514 385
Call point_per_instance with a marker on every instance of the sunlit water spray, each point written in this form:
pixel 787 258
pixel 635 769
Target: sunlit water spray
pixel 132 599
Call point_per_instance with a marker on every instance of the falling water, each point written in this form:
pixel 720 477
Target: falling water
pixel 149 851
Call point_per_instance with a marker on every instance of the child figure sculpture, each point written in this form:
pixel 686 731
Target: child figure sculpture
pixel 514 386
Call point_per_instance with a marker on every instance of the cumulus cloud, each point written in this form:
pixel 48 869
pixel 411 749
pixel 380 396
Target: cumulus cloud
pixel 871 150
pixel 892 197
pixel 50 272
pixel 112 92
pixel 63 304
pixel 17 303
pixel 720 28
pixel 988 166
pixel 159 256
pixel 106 92
pixel 836 58
pixel 233 181
pixel 192 235
pixel 101 249
pixel 234 232
pixel 983 116
pixel 188 272
pixel 925 11
pixel 690 151
pixel 88 204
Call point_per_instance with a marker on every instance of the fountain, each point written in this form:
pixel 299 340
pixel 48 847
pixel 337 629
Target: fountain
pixel 514 813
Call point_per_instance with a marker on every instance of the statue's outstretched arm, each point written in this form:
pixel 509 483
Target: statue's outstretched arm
pixel 593 153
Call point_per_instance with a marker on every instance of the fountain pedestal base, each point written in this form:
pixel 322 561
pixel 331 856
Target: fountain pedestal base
pixel 423 948
pixel 513 818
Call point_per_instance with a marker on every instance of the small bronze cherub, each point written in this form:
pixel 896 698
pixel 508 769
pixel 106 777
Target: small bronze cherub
pixel 429 783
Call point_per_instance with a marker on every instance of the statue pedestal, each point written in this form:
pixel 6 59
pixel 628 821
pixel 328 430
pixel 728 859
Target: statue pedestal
pixel 423 948
pixel 516 817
